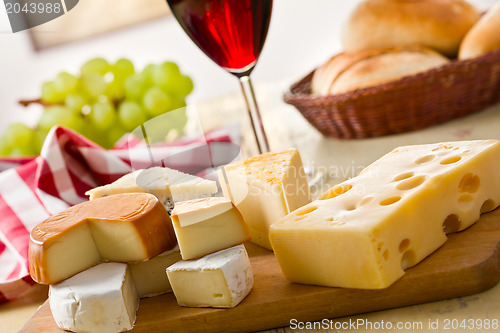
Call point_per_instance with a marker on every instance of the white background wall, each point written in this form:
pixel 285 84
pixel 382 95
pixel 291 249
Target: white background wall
pixel 302 34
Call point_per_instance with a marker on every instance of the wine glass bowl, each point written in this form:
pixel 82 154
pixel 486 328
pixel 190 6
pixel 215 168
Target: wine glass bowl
pixel 231 33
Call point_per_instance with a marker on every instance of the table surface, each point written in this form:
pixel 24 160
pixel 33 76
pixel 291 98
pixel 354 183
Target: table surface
pixel 339 160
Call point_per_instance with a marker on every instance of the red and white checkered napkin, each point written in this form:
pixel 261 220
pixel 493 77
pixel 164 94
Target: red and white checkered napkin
pixel 33 189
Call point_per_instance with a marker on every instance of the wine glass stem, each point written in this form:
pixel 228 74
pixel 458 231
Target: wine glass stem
pixel 254 114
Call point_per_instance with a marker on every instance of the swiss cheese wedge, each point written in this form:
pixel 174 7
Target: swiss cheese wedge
pixel 366 231
pixel 120 228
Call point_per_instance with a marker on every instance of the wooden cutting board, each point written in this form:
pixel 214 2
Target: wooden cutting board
pixel 468 263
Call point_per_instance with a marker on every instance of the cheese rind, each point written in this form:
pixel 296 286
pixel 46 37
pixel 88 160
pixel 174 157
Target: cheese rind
pixel 207 225
pixel 265 188
pixel 222 279
pixel 364 232
pixel 149 276
pixel 168 185
pixel 100 299
pixel 123 228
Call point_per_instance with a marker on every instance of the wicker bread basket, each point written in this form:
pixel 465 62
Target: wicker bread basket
pixel 454 90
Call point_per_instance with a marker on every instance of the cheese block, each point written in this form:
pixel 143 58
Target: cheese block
pixel 168 185
pixel 207 225
pixel 221 280
pixel 100 299
pixel 365 232
pixel 122 228
pixel 265 188
pixel 149 276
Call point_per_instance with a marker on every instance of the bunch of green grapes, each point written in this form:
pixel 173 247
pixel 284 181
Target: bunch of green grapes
pixel 103 102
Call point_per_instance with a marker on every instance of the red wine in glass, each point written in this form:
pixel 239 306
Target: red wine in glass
pixel 232 33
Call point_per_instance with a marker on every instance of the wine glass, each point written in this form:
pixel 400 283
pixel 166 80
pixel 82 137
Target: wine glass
pixel 231 33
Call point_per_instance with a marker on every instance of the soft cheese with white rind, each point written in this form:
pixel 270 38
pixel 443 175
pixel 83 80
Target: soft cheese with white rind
pixel 207 225
pixel 366 231
pixel 149 276
pixel 100 299
pixel 222 279
pixel 265 188
pixel 168 185
pixel 120 228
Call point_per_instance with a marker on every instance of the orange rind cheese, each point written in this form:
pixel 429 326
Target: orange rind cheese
pixel 121 228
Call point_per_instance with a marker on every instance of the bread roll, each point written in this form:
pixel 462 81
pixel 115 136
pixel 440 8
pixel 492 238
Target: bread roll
pixel 484 35
pixel 350 71
pixel 437 24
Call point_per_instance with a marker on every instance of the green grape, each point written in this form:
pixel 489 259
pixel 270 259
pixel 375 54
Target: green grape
pixel 87 104
pixel 21 139
pixel 77 124
pixel 171 66
pixel 60 115
pixel 155 130
pixel 115 134
pixel 50 94
pixel 130 115
pixel 38 141
pixel 123 68
pixel 177 102
pixel 156 102
pixel 97 136
pixel 103 115
pixel 167 126
pixel 183 87
pixel 147 73
pixel 91 132
pixel 95 84
pixel 5 147
pixel 166 76
pixel 177 119
pixel 135 86
pixel 115 90
pixel 100 138
pixel 96 65
pixel 75 101
pixel 65 83
pixel 19 135
pixel 22 151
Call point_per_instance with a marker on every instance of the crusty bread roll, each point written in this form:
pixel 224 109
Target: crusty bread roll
pixel 437 24
pixel 484 35
pixel 350 71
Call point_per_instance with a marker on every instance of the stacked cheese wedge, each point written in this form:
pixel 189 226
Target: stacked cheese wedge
pixel 215 270
pixel 258 191
pixel 101 256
